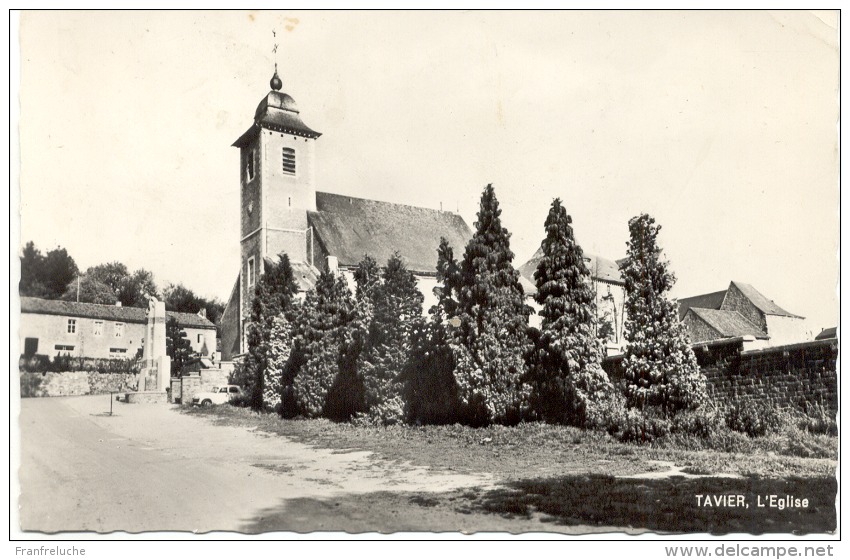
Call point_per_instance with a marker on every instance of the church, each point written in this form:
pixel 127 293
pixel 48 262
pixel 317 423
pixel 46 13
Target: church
pixel 282 211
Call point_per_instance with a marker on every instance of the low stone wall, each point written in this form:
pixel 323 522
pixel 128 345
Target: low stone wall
pixel 791 376
pixel 74 383
pixel 191 385
pixel 213 377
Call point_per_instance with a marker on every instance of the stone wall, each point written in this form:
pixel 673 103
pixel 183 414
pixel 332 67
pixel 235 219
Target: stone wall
pixel 74 383
pixel 213 377
pixel 191 385
pixel 792 376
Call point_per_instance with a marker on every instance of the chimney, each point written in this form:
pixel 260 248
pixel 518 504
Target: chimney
pixel 333 265
pixel 203 312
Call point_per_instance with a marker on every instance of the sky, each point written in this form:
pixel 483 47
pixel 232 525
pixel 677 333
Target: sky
pixel 721 125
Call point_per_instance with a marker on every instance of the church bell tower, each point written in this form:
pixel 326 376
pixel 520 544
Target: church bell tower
pixel 278 187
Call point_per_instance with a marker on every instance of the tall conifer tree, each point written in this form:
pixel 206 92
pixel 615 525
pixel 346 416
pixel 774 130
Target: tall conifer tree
pixel 396 305
pixel 318 385
pixel 566 369
pixel 660 367
pixel 274 296
pixel 431 395
pixel 491 339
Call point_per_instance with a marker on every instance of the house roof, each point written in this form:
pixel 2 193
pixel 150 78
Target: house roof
pixel 106 312
pixel 728 323
pixel 349 228
pixel 831 332
pixel 601 269
pixel 765 305
pixel 704 301
pixel 277 111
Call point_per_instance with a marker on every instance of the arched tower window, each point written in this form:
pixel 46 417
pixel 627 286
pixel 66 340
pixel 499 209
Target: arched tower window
pixel 249 165
pixel 288 158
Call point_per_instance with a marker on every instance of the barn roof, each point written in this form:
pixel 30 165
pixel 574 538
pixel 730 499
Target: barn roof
pixel 106 312
pixel 728 323
pixel 350 228
pixel 765 305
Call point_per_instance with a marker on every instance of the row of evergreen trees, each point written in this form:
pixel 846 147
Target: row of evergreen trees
pixel 372 354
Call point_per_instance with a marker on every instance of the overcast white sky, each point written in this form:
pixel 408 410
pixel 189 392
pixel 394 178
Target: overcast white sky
pixel 722 125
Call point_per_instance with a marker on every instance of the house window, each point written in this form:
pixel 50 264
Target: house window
pixel 288 157
pixel 118 353
pixel 200 339
pixel 97 329
pixel 30 346
pixel 64 347
pixel 119 330
pixel 72 326
pixel 250 272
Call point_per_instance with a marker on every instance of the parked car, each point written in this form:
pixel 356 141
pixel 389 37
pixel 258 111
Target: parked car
pixel 217 395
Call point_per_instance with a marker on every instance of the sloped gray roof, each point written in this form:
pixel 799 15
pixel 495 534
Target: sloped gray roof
pixel 728 323
pixel 761 302
pixel 305 275
pixel 106 312
pixel 601 269
pixel 704 301
pixel 831 332
pixel 350 228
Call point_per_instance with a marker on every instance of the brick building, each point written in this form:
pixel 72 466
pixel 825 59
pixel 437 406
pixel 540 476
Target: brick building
pixel 91 330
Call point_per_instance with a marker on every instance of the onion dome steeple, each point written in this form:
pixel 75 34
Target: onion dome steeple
pixel 277 112
pixel 275 82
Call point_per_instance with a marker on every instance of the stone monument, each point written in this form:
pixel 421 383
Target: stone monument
pixel 155 375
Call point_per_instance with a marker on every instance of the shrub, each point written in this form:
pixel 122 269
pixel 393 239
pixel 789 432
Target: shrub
pixel 606 414
pixel 62 363
pixel 31 384
pixel 753 419
pixel 641 426
pixel 704 422
pixel 242 401
pixel 818 420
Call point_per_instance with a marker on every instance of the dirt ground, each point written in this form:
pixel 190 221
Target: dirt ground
pixel 157 468
pixel 149 468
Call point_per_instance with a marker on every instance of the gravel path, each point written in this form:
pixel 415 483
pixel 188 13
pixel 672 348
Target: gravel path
pixel 150 468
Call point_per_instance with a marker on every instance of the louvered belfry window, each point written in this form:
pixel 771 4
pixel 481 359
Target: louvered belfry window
pixel 289 161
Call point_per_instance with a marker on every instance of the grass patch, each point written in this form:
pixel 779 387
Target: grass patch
pixel 512 453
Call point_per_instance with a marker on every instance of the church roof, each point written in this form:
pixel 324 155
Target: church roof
pixel 106 312
pixel 728 323
pixel 350 228
pixel 277 111
pixel 601 269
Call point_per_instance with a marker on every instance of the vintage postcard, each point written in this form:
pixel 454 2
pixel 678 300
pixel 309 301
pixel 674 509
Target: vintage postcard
pixel 444 273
